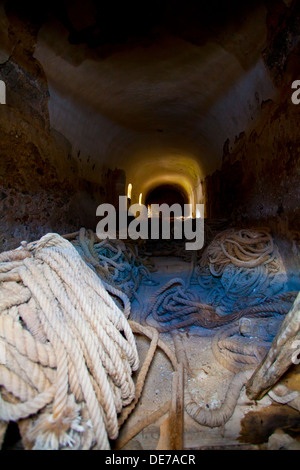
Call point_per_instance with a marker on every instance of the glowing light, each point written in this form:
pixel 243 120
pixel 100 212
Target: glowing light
pixel 129 189
pixel 140 199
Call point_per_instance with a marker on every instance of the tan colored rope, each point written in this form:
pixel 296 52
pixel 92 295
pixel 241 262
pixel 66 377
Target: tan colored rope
pixel 152 334
pixel 205 416
pixel 243 248
pixel 67 352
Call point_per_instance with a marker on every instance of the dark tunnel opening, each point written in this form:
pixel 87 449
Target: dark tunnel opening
pixel 166 194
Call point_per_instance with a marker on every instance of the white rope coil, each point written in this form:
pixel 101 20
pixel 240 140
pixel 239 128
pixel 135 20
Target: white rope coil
pixel 67 352
pixel 240 268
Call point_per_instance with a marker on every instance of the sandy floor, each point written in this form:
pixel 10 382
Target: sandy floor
pixel 208 384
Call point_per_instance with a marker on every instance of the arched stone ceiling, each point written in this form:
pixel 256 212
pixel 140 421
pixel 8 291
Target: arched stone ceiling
pixel 160 108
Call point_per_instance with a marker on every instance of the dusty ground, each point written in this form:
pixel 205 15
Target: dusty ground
pixel 251 424
pixel 208 384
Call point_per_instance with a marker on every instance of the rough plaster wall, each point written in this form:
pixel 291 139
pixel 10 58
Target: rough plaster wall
pixel 41 189
pixel 157 108
pixel 173 94
pixel 258 183
pixel 259 178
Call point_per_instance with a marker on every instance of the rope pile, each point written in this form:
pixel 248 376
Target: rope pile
pixel 176 306
pixel 207 416
pixel 239 268
pixel 67 352
pixel 237 352
pixel 114 261
pixel 67 349
pixel 239 348
pixel 242 280
pixel 240 273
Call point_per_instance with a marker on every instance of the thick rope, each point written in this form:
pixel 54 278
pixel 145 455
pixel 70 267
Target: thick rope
pixel 115 262
pixel 67 350
pixel 206 416
pixel 239 268
pixel 174 306
pixel 152 334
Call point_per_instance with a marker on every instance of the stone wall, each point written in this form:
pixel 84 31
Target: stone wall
pixel 258 182
pixel 259 178
pixel 41 188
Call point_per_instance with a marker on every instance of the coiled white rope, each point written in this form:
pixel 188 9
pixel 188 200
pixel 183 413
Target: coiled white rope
pixel 240 268
pixel 67 352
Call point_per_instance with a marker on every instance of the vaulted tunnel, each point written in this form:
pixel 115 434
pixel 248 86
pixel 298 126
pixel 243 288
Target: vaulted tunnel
pixel 154 102
pixel 167 194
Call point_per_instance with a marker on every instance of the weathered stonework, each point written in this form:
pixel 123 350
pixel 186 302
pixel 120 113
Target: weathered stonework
pixel 41 188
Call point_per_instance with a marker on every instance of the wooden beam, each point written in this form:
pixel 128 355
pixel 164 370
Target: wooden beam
pixel 280 356
pixel 172 428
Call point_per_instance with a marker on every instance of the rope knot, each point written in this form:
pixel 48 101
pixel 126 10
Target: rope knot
pixel 54 433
